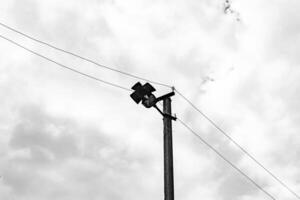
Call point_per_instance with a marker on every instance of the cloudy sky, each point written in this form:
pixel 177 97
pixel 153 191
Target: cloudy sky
pixel 65 137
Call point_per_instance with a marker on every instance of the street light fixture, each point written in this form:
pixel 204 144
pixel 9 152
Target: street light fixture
pixel 143 93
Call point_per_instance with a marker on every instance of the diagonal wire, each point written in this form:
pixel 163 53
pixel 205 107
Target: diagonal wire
pixel 154 82
pixel 64 66
pixel 238 145
pixel 225 159
pixel 81 57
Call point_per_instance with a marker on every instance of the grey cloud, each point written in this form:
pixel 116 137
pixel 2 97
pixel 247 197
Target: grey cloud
pixel 234 187
pixel 229 184
pixel 39 132
pixel 54 157
pixel 57 158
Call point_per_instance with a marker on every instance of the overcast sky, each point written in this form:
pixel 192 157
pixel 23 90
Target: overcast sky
pixel 65 137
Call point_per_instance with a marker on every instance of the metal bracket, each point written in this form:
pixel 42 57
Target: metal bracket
pixel 164 114
pixel 164 96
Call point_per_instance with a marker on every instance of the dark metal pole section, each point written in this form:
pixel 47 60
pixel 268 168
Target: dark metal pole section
pixel 168 151
pixel 143 93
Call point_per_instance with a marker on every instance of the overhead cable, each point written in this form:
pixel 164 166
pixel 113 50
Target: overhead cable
pixel 81 57
pixel 151 81
pixel 64 66
pixel 237 144
pixel 225 159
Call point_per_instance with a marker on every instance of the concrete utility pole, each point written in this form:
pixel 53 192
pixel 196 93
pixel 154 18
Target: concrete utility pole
pixel 143 93
pixel 168 151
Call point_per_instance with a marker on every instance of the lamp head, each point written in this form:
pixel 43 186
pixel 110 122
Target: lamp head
pixel 143 93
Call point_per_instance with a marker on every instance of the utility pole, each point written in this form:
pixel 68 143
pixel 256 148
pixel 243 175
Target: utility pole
pixel 143 93
pixel 168 151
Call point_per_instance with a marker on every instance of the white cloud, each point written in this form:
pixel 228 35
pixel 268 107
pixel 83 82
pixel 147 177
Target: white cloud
pixel 47 150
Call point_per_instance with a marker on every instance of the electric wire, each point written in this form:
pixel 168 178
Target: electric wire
pixel 140 78
pixel 64 66
pixel 121 87
pixel 237 144
pixel 83 58
pixel 225 159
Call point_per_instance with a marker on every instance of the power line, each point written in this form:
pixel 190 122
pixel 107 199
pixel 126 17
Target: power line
pixel 81 57
pixel 144 79
pixel 225 159
pixel 64 66
pixel 121 87
pixel 237 144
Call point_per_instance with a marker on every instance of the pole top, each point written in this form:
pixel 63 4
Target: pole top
pixel 143 93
